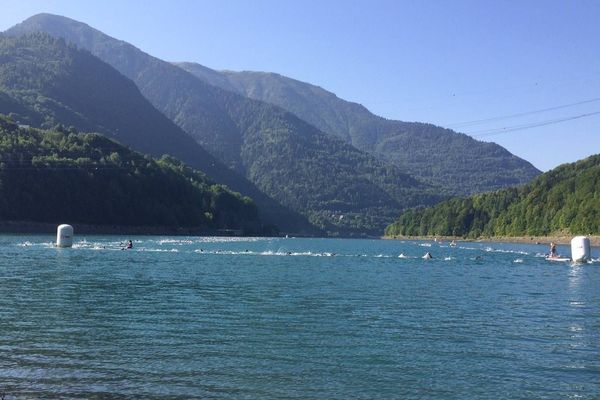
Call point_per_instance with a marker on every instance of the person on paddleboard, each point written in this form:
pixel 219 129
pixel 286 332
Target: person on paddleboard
pixel 553 250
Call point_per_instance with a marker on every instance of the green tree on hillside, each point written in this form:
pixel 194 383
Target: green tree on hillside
pixel 59 175
pixel 564 200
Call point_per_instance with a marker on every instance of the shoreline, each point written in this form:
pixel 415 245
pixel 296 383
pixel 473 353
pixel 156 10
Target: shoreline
pixel 45 228
pixel 27 227
pixel 545 240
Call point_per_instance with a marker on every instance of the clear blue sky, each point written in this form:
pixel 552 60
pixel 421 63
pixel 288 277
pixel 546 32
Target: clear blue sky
pixel 438 61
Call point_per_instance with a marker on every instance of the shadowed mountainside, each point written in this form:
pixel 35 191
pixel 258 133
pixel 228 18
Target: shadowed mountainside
pixel 339 188
pixel 52 176
pixel 45 81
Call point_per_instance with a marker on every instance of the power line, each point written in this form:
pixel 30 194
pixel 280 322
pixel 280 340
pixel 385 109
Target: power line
pixel 513 128
pixel 522 114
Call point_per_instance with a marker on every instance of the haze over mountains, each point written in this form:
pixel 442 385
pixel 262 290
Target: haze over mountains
pixel 344 169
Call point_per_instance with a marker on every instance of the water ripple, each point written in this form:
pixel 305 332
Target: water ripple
pixel 268 318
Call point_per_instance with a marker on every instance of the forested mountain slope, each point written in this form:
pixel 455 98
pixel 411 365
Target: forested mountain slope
pixel 338 187
pixel 565 200
pixel 58 175
pixel 45 81
pixel 454 161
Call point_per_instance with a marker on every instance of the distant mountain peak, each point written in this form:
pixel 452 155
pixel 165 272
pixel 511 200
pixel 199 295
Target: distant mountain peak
pixel 302 145
pixel 304 169
pixel 53 82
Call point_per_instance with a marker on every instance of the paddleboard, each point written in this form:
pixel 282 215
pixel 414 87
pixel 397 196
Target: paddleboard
pixel 558 259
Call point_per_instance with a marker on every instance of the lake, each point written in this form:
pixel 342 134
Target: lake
pixel 276 318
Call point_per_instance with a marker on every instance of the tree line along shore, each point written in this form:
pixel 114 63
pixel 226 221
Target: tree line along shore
pixel 559 204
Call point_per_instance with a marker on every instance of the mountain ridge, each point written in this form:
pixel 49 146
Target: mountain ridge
pixel 233 127
pixel 45 81
pixel 434 154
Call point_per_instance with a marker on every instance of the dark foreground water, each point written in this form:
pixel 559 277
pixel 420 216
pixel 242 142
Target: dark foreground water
pixel 268 318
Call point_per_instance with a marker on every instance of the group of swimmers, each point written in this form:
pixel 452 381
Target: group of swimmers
pixel 553 253
pixel 427 256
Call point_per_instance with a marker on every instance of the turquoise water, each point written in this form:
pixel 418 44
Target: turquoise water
pixel 264 318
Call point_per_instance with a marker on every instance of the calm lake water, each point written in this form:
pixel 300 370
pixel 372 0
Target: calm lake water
pixel 264 318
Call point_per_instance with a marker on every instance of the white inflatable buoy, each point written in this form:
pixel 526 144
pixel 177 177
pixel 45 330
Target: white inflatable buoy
pixel 64 236
pixel 580 249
